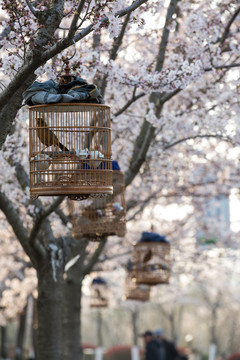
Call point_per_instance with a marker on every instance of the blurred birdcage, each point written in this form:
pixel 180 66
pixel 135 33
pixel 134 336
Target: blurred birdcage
pixel 134 291
pixel 97 218
pixel 70 150
pixel 151 259
pixel 99 293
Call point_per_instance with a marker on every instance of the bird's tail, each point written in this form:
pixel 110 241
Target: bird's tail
pixel 63 147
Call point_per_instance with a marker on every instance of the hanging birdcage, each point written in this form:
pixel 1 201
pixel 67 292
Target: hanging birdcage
pixel 134 291
pixel 151 258
pixel 70 139
pixel 70 150
pixel 97 218
pixel 99 293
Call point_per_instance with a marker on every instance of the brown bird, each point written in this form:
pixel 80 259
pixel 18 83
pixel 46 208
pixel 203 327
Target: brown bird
pixel 47 136
pixel 147 256
pixel 99 295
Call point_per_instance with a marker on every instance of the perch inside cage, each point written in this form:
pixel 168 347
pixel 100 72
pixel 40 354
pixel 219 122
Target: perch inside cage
pixel 99 293
pixel 70 150
pixel 151 258
pixel 134 291
pixel 96 218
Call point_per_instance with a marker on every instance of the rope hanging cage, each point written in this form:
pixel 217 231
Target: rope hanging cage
pixel 70 146
pixel 99 293
pixel 134 291
pixel 96 218
pixel 151 258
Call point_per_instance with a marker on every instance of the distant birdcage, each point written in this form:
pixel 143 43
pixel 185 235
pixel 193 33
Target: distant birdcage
pixel 134 291
pixel 97 218
pixel 99 293
pixel 70 150
pixel 151 258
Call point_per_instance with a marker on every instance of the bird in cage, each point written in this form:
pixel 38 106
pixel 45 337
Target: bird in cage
pixel 99 296
pixel 93 157
pixel 47 136
pixel 96 158
pixel 147 257
pixel 116 207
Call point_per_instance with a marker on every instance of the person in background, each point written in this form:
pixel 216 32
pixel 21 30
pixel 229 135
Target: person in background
pixel 153 347
pixel 170 350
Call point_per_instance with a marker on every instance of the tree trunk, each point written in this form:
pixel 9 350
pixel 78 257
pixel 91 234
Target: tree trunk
pixel 20 335
pixel 213 326
pixel 99 328
pixel 135 327
pixel 35 328
pixel 49 306
pixel 72 314
pixel 178 328
pixel 3 352
pixel 172 325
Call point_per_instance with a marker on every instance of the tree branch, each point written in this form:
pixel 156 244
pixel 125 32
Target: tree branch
pixel 136 4
pixel 52 207
pixel 220 67
pixel 64 218
pixel 73 26
pixel 229 24
pixel 143 205
pixel 116 46
pixel 94 258
pixel 42 216
pixel 66 42
pixel 165 35
pixel 11 99
pixel 31 8
pixel 21 233
pixel 147 132
pixel 21 174
pixel 206 136
pixel 129 102
pixel 4 34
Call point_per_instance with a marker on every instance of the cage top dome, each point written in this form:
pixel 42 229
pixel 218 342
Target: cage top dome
pixel 153 237
pixel 99 280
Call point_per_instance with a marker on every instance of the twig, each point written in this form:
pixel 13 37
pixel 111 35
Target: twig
pixel 227 28
pixel 94 258
pixel 128 103
pixel 31 8
pixel 215 136
pixel 219 67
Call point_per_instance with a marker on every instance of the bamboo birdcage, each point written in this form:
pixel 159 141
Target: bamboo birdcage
pixel 152 262
pixel 97 218
pixel 70 150
pixel 134 291
pixel 99 293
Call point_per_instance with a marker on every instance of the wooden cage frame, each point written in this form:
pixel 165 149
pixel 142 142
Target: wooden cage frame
pixel 134 291
pixel 70 150
pixel 99 295
pixel 151 262
pixel 98 218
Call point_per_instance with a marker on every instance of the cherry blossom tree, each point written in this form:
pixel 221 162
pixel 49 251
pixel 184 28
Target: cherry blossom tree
pixel 169 70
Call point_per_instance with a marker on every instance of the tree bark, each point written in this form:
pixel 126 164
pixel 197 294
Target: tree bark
pixel 35 328
pixel 4 352
pixel 20 335
pixel 99 328
pixel 135 327
pixel 49 306
pixel 72 312
pixel 213 325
